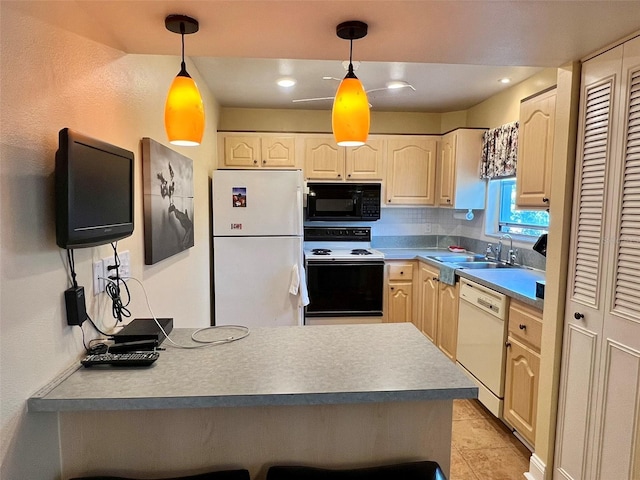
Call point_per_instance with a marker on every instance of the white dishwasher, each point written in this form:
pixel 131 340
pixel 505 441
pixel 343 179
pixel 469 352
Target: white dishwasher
pixel 482 332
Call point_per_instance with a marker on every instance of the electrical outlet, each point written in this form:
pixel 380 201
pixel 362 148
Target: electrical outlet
pixel 125 265
pixel 98 275
pixel 427 227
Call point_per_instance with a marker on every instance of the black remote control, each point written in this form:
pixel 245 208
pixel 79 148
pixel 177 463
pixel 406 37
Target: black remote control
pixel 130 359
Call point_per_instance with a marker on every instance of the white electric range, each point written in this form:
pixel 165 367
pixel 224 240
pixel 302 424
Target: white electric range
pixel 345 276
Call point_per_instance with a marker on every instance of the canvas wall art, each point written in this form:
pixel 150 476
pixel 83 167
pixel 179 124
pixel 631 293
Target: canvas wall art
pixel 168 201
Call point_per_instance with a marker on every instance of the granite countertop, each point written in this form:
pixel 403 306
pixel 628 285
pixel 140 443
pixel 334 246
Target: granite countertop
pixel 518 283
pixel 301 365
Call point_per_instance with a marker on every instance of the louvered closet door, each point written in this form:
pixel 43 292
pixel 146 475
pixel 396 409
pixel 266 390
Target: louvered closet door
pixel 586 279
pixel 619 402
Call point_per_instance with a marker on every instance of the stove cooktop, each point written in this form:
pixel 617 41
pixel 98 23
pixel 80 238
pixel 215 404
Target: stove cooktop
pixel 339 243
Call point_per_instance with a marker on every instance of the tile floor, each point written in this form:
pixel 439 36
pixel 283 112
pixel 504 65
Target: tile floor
pixel 482 447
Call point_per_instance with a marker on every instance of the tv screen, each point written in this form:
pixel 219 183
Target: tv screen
pixel 94 191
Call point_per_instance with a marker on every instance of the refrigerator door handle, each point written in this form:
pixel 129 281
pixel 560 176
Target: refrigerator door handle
pixel 299 210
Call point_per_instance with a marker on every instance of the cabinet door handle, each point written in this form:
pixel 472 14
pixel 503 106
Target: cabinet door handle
pixel 545 199
pixel 264 162
pixel 507 344
pixel 348 175
pixel 391 288
pixel 401 273
pixel 255 161
pixel 339 175
pixel 578 316
pixel 522 326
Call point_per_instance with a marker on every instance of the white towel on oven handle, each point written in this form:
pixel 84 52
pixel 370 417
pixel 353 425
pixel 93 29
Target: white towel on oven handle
pixel 298 285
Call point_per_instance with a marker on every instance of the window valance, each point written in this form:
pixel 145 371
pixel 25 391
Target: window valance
pixel 500 151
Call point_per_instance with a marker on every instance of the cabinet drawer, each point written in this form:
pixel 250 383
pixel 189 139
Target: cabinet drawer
pixel 525 323
pixel 401 271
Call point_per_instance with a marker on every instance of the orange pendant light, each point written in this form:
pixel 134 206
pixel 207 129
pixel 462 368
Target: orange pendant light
pixel 350 116
pixel 184 109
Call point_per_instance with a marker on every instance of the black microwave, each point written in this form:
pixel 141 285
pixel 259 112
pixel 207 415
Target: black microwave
pixel 343 202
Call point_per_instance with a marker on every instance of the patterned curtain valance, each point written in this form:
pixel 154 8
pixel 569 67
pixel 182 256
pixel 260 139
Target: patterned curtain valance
pixel 500 151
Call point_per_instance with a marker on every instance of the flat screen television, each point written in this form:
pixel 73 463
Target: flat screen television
pixel 94 191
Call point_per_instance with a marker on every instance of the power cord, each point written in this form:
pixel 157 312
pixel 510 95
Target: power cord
pixel 72 267
pixel 244 331
pixel 118 308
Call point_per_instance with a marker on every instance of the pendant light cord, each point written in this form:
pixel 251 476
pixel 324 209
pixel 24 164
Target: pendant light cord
pixel 182 29
pixel 350 73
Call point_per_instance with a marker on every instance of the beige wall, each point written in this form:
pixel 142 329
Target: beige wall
pixel 52 79
pixel 505 106
pixel 319 121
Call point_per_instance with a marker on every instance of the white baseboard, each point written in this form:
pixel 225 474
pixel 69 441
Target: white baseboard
pixel 536 469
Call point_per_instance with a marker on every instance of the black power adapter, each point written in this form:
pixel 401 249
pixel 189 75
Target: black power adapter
pixel 76 307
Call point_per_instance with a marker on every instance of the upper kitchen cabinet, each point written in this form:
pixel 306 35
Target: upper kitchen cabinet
pixel 247 150
pixel 324 160
pixel 459 184
pixel 535 150
pixel 365 162
pixel 411 170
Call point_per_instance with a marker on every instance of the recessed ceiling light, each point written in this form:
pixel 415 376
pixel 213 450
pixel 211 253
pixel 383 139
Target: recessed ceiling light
pixel 505 80
pixel 286 82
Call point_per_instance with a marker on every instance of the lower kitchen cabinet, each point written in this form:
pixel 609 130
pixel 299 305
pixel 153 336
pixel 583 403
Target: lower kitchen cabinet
pixel 438 309
pixel 428 283
pixel 400 296
pixel 523 369
pixel 447 337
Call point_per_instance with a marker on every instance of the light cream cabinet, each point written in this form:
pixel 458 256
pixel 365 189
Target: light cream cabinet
pixel 598 431
pixel 325 160
pixel 437 309
pixel 428 282
pixel 256 151
pixel 523 369
pixel 411 170
pixel 535 150
pixel 458 171
pixel 400 297
pixel 447 337
pixel 365 162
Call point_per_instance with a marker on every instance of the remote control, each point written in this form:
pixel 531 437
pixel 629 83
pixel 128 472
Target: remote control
pixel 129 359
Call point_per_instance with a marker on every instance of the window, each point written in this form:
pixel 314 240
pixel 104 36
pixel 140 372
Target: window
pixel 519 222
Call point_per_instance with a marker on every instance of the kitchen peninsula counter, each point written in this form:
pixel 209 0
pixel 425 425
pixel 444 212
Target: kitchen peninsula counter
pixel 333 395
pixel 271 366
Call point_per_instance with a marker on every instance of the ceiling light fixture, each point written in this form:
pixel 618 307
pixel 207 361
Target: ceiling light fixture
pixel 398 84
pixel 286 82
pixel 505 80
pixel 350 116
pixel 183 110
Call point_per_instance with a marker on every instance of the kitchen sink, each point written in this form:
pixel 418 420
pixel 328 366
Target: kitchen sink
pixel 479 265
pixel 460 258
pixel 471 262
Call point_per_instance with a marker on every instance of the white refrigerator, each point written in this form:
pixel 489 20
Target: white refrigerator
pixel 258 275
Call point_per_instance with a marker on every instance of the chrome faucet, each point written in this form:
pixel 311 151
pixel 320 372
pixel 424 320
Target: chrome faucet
pixel 511 258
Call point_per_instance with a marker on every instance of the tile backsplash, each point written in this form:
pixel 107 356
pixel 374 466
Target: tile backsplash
pixel 437 227
pixel 421 227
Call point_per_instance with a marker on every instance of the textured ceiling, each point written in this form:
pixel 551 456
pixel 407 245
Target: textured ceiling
pixel 452 52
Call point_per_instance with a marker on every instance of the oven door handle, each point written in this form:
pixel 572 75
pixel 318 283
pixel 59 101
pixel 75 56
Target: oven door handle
pixel 331 263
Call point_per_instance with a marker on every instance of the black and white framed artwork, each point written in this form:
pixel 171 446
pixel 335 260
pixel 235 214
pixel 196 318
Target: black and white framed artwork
pixel 168 201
